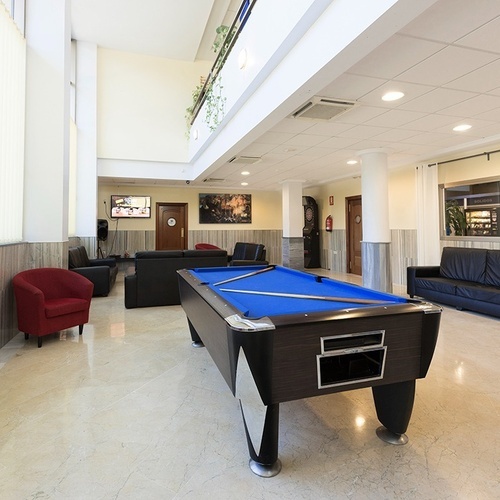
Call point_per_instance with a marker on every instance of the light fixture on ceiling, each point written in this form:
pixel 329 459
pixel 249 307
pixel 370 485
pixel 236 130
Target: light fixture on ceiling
pixel 462 128
pixel 245 172
pixel 242 58
pixel 352 162
pixel 392 96
pixel 244 183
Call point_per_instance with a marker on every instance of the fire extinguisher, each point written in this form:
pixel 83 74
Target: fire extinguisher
pixel 329 223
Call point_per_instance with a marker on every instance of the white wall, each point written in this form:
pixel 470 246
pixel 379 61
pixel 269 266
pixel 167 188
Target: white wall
pixel 340 190
pixel 402 199
pixel 471 169
pixel 141 106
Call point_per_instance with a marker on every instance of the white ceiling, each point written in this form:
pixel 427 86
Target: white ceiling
pixel 182 30
pixel 447 62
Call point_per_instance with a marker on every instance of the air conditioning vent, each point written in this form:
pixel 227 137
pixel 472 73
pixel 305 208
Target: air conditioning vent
pixel 248 160
pixel 213 179
pixel 323 108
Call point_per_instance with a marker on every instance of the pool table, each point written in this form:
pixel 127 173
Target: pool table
pixel 278 334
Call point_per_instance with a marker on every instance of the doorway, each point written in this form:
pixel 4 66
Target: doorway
pixel 171 226
pixel 354 234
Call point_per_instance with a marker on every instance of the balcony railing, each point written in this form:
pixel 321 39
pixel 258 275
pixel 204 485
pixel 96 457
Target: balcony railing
pixel 224 50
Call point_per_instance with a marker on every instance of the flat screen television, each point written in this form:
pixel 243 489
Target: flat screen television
pixel 130 206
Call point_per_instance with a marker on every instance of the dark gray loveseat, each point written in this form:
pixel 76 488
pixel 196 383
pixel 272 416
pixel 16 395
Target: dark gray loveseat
pixel 467 278
pixel 154 280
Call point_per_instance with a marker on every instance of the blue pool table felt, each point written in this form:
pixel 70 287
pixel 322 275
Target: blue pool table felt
pixel 285 280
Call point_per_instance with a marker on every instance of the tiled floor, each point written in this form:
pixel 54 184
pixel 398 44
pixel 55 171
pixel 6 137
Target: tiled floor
pixel 131 411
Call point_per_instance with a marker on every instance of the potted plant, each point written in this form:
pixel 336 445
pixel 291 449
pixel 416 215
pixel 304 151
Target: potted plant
pixel 455 219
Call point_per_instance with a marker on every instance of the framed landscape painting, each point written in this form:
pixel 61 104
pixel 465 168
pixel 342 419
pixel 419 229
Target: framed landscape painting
pixel 225 208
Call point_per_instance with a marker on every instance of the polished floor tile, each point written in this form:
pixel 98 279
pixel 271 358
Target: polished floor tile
pixel 130 410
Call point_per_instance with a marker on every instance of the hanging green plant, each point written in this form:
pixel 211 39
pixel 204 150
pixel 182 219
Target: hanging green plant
pixel 215 104
pixel 221 33
pixel 190 110
pixel 214 100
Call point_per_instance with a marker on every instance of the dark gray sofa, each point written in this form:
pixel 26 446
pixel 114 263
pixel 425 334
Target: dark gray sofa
pixel 154 282
pixel 102 272
pixel 467 278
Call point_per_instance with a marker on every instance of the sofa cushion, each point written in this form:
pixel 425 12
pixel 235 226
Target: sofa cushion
pixel 479 292
pixel 59 307
pixel 248 251
pixel 441 285
pixel 158 254
pixel 492 268
pixel 204 253
pixel 467 264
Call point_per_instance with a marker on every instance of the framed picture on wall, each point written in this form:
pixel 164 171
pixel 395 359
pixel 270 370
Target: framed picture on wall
pixel 225 208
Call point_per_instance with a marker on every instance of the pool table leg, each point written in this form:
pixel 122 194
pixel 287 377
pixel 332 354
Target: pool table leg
pixel 394 404
pixel 266 463
pixel 196 341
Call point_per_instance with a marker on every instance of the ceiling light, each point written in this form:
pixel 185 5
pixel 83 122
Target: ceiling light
pixel 242 58
pixel 244 183
pixel 352 162
pixel 392 96
pixel 245 172
pixel 462 128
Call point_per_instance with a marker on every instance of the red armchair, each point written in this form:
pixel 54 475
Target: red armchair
pixel 51 299
pixel 206 246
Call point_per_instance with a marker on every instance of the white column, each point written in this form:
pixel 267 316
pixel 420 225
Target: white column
pixel 48 36
pixel 293 213
pixel 376 252
pixel 293 224
pixel 375 195
pixel 86 121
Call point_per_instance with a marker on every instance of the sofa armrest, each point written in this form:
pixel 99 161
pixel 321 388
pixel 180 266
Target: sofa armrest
pixel 130 291
pixel 99 275
pixel 413 272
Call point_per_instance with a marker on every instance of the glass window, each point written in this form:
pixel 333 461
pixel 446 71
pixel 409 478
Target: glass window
pixel 472 209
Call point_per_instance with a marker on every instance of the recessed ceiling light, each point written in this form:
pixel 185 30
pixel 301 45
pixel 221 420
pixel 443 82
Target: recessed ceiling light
pixel 352 162
pixel 462 128
pixel 245 172
pixel 392 96
pixel 244 183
